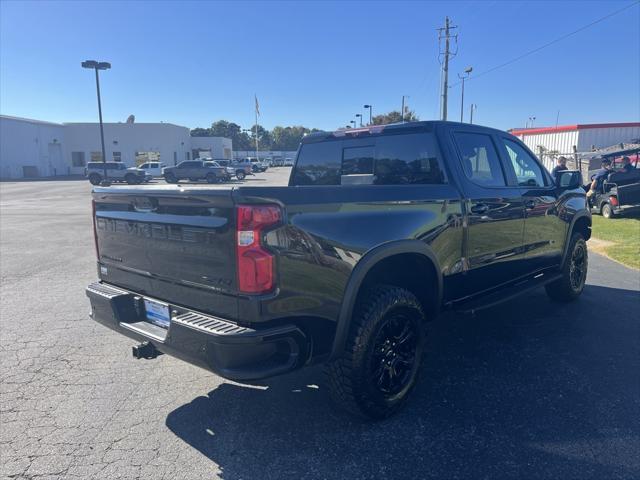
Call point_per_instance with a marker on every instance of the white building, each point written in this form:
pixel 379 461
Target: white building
pixel 581 137
pixel 31 148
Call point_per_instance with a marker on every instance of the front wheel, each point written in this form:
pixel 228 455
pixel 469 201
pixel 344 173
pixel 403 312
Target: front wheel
pixel 170 178
pixel 383 352
pixel 574 272
pixel 240 175
pixel 131 179
pixel 94 179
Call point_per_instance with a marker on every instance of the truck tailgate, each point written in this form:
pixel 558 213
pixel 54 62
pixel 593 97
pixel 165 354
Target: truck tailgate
pixel 174 244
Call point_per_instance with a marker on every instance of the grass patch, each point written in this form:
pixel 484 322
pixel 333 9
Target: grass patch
pixel 625 235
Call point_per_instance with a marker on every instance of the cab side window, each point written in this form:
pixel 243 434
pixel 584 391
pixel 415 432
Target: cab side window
pixel 318 164
pixel 480 161
pixel 408 159
pixel 527 170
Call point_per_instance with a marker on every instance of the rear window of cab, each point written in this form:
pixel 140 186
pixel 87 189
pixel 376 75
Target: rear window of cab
pixel 405 159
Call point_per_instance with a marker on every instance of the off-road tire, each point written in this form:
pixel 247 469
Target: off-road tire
pixel 349 377
pixel 95 179
pixel 170 178
pixel 574 272
pixel 607 211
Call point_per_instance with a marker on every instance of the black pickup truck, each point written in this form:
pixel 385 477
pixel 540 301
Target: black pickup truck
pixel 378 230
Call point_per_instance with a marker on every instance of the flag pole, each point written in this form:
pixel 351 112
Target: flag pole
pixel 256 107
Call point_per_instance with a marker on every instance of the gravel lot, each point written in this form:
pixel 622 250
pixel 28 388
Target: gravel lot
pixel 529 389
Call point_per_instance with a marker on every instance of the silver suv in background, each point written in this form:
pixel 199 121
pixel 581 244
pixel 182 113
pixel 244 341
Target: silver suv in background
pixel 116 172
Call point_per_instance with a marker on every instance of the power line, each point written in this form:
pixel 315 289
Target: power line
pixel 552 42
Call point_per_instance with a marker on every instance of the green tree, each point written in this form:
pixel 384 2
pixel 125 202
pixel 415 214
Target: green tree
pixel 288 138
pixel 200 132
pixel 280 138
pixel 395 117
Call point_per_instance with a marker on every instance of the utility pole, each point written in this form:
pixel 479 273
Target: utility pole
pixel 402 109
pixel 445 63
pixel 473 107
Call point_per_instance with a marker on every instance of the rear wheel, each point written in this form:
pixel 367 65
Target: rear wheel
pixel 379 367
pixel 574 272
pixel 240 174
pixel 607 211
pixel 211 178
pixel 170 178
pixel 132 179
pixel 95 179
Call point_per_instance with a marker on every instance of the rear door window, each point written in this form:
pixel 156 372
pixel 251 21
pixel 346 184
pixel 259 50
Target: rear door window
pixel 408 159
pixel 318 164
pixel 480 161
pixel 401 159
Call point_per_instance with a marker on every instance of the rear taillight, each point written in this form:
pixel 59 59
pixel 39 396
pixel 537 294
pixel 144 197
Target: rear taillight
pixel 95 228
pixel 613 201
pixel 256 268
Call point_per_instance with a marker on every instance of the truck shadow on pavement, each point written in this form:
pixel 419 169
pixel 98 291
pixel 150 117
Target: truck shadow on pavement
pixel 529 389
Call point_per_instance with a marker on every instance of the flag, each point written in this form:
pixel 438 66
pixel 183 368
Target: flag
pixel 257 105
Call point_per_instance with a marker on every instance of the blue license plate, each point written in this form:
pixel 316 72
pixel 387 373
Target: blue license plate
pixel 157 313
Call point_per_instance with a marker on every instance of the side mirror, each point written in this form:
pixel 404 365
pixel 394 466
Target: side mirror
pixel 568 179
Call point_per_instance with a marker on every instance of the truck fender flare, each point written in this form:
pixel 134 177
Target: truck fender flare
pixel 364 265
pixel 574 220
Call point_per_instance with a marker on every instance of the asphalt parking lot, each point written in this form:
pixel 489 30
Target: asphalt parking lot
pixel 528 389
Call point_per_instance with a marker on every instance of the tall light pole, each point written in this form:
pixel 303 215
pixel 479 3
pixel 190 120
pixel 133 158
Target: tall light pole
pixel 370 107
pixel 99 66
pixel 359 115
pixel 402 108
pixel 471 110
pixel 463 77
pixel 353 122
pixel 530 122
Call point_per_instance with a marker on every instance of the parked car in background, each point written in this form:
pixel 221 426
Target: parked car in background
pixel 194 170
pixel 152 168
pixel 216 164
pixel 288 162
pixel 257 166
pixel 237 169
pixel 116 172
pixel 379 229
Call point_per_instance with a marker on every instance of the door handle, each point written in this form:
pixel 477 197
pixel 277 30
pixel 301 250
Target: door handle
pixel 480 208
pixel 530 204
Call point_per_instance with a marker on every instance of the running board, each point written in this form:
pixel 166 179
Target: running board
pixel 496 297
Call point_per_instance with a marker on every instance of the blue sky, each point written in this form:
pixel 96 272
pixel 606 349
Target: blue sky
pixel 316 63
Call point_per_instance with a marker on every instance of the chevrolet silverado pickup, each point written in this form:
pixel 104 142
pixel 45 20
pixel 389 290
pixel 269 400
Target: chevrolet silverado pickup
pixel 378 230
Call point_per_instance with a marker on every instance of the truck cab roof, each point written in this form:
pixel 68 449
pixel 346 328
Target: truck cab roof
pixel 392 128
